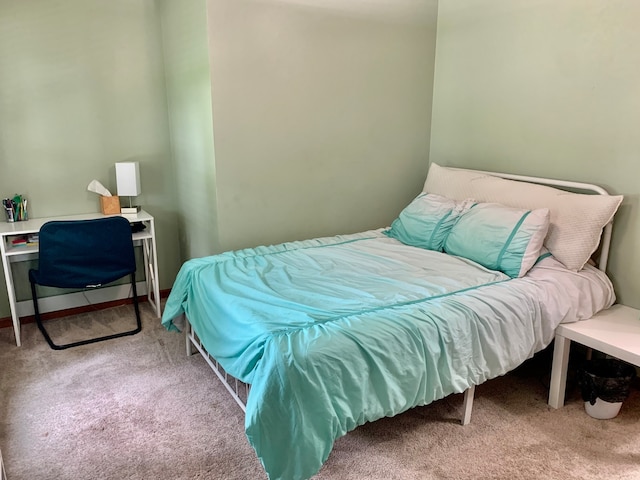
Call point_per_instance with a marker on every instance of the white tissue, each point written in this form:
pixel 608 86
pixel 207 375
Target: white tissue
pixel 96 187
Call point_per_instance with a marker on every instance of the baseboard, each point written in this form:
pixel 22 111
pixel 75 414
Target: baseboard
pixel 75 310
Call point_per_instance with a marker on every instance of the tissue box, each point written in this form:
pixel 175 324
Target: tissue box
pixel 110 205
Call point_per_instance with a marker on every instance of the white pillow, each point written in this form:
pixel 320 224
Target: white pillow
pixel 576 220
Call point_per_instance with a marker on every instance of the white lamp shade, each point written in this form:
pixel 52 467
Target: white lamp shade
pixel 128 179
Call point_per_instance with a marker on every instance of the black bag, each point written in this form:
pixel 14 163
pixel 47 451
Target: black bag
pixel 608 379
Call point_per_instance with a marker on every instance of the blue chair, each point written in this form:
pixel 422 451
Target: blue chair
pixel 84 254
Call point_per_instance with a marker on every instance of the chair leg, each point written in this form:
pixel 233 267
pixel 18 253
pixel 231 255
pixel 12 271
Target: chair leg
pixel 92 340
pixel 36 312
pixel 136 307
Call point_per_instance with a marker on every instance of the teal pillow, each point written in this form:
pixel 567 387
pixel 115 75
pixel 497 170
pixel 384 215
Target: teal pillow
pixel 499 238
pixel 426 221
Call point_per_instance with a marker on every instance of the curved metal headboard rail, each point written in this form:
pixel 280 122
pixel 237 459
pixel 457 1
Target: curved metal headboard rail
pixel 605 239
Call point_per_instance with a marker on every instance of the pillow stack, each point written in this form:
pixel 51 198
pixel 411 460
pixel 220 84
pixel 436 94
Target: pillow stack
pixel 576 220
pixel 507 224
pixel 495 236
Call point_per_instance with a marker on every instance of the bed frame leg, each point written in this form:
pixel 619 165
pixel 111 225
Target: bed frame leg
pixel 187 336
pixel 468 404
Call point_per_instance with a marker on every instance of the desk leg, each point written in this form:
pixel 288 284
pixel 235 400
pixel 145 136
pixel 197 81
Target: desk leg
pixel 148 272
pixel 151 270
pixel 8 278
pixel 559 371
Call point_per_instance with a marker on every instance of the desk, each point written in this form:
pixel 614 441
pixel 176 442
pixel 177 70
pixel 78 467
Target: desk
pixel 615 331
pixel 10 254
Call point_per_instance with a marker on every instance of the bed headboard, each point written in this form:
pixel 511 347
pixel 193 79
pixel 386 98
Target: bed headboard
pixel 581 213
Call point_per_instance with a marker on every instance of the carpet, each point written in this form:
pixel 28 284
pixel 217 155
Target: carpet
pixel 138 408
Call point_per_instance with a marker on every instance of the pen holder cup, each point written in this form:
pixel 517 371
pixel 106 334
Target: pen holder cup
pixel 15 209
pixel 110 205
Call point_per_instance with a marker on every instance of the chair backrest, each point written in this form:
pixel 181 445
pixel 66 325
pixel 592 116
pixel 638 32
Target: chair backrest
pixel 85 253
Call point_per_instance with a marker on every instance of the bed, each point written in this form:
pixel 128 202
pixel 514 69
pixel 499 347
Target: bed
pixel 314 338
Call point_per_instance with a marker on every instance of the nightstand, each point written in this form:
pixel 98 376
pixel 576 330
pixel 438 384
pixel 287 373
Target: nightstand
pixel 615 331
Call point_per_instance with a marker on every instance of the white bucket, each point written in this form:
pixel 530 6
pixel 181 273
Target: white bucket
pixel 602 410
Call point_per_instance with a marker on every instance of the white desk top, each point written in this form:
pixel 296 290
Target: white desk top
pixel 615 331
pixel 33 225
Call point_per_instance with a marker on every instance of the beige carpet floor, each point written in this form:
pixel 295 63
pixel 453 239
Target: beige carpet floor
pixel 138 408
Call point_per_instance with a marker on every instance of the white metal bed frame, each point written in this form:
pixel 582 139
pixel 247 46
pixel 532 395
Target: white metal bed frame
pixel 239 391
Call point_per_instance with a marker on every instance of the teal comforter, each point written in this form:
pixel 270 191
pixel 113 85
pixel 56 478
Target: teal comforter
pixel 332 333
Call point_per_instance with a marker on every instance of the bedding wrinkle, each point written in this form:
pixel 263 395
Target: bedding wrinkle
pixel 333 333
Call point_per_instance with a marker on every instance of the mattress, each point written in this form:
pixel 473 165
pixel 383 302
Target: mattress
pixel 334 332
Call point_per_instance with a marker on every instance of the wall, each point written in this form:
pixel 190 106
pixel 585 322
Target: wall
pixel 545 88
pixel 321 114
pixel 82 87
pixel 186 56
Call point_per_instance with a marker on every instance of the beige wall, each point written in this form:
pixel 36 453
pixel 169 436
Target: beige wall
pixel 546 88
pixel 186 60
pixel 82 87
pixel 321 114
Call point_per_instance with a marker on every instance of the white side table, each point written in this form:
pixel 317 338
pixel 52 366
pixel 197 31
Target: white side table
pixel 615 331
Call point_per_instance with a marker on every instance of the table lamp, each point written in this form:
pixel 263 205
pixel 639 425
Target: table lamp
pixel 128 184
